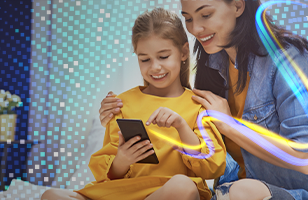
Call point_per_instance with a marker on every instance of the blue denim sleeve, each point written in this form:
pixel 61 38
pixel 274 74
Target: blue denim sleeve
pixel 290 103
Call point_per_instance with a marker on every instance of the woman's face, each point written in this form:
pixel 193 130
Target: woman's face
pixel 211 21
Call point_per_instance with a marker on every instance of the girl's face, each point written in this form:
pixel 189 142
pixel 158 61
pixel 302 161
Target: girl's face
pixel 160 62
pixel 211 21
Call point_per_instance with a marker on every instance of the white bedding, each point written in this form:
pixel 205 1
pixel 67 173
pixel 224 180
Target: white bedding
pixel 23 190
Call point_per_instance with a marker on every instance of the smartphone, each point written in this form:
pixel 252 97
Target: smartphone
pixel 133 127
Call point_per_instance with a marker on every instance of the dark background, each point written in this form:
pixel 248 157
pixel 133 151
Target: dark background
pixel 15 49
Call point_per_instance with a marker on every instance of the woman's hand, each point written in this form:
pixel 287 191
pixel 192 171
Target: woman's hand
pixel 110 106
pixel 131 152
pixel 212 101
pixel 164 117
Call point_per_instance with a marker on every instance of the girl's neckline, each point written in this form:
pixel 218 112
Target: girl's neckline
pixel 140 88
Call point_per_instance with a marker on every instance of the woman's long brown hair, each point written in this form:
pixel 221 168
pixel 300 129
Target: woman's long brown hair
pixel 246 40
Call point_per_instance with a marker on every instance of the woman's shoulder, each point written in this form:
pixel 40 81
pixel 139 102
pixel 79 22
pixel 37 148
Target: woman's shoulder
pixel 289 49
pixel 292 51
pixel 275 56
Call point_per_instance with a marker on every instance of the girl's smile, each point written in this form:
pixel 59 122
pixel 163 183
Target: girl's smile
pixel 160 64
pixel 159 77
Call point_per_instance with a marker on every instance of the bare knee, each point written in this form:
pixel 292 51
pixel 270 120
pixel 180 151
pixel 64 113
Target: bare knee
pixel 61 194
pixel 248 189
pixel 181 187
pixel 50 194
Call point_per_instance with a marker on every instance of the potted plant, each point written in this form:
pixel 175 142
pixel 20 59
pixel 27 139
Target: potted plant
pixel 7 115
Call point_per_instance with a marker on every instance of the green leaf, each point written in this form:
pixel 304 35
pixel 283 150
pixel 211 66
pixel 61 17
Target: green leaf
pixel 11 105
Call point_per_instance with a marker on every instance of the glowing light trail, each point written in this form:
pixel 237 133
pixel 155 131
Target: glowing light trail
pixel 256 138
pixel 206 141
pixel 281 58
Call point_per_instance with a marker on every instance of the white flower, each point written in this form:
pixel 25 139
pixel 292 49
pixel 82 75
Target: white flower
pixel 6 99
pixel 2 94
pixel 15 98
pixel 9 97
pixel 4 104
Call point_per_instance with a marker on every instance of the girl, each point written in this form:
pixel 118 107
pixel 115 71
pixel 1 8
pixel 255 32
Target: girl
pixel 165 69
pixel 239 78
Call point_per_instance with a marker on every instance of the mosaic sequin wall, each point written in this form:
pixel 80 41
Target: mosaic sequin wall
pixel 64 62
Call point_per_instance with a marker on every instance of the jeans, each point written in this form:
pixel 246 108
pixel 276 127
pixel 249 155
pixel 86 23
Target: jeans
pixel 230 176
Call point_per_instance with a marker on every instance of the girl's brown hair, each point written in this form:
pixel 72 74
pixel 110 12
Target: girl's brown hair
pixel 166 25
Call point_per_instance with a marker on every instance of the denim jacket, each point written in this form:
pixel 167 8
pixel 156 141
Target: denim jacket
pixel 271 103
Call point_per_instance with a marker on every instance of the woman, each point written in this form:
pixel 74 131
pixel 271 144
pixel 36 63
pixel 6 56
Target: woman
pixel 236 76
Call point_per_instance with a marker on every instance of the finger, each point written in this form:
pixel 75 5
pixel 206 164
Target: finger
pixel 106 113
pixel 110 103
pixel 202 101
pixel 142 150
pixel 152 117
pixel 170 120
pixel 132 141
pixel 107 116
pixel 106 119
pixel 134 148
pixel 208 95
pixel 110 100
pixel 143 156
pixel 162 118
pixel 159 116
pixel 111 94
pixel 121 139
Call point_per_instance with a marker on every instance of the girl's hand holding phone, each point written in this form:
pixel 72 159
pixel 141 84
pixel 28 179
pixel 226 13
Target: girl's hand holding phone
pixel 131 152
pixel 128 153
pixel 164 117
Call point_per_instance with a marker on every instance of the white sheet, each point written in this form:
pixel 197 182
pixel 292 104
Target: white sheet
pixel 23 190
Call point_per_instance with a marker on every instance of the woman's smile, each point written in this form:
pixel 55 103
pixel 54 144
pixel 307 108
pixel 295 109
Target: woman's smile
pixel 205 40
pixel 211 22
